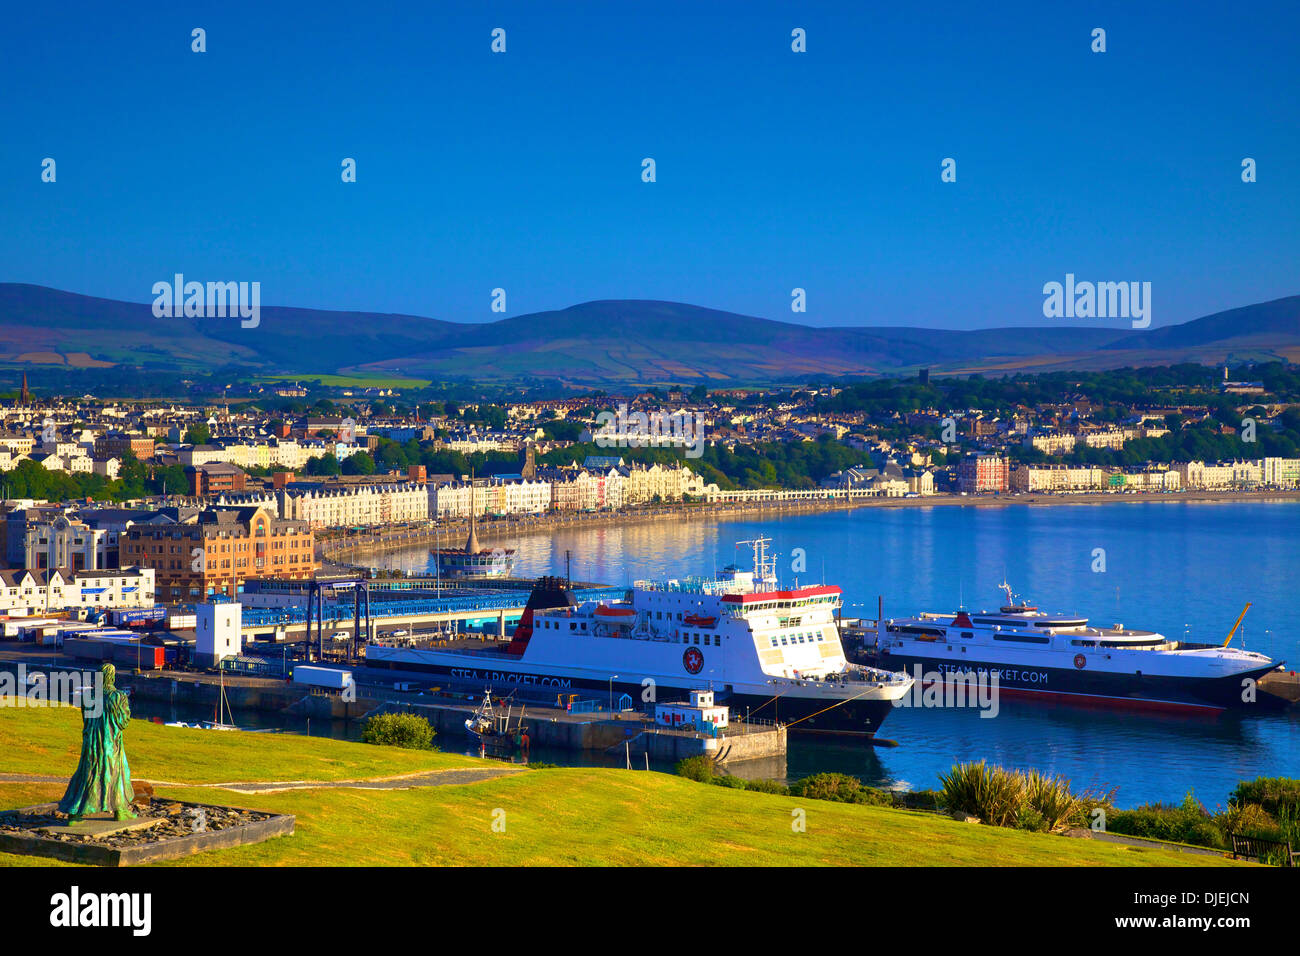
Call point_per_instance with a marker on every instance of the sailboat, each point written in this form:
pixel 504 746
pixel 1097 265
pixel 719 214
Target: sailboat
pixel 223 705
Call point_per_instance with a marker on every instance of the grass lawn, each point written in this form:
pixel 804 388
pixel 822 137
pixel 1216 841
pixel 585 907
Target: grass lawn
pixel 562 816
pixel 377 380
pixel 47 740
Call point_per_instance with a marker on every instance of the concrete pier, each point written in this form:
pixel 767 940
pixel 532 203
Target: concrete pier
pixel 604 732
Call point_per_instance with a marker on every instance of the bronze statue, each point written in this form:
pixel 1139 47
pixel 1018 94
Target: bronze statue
pixel 103 779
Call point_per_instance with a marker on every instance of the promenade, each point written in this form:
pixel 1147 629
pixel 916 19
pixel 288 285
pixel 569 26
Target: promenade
pixel 344 550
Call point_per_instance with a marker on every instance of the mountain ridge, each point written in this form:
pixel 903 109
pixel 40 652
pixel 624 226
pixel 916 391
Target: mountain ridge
pixel 604 341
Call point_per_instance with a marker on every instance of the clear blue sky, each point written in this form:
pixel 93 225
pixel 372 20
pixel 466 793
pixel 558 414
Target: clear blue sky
pixel 775 169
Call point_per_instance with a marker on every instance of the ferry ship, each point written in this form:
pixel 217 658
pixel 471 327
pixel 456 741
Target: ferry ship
pixel 766 653
pixel 1063 656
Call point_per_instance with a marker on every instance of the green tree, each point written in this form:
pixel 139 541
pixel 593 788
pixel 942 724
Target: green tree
pixel 359 463
pixel 198 434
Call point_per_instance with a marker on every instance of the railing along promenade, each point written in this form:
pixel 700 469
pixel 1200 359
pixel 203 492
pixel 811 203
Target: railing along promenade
pixel 342 549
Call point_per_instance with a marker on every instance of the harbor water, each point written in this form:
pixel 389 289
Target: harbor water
pixel 1184 569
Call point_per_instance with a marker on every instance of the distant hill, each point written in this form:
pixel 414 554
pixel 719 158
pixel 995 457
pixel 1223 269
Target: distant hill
pixel 611 342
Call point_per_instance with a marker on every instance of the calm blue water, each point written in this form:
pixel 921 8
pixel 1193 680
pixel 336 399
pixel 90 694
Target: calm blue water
pixel 1182 569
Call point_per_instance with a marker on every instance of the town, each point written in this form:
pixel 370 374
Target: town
pixel 321 457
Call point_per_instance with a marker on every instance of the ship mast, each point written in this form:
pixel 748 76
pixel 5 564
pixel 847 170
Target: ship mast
pixel 764 567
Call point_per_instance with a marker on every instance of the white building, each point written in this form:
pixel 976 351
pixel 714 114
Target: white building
pixel 217 632
pixel 700 711
pixel 1281 472
pixel 34 592
pixel 347 506
pixel 66 543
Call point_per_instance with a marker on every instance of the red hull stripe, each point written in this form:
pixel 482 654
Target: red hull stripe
pixel 780 595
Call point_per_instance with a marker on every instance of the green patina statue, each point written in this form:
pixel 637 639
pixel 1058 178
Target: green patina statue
pixel 103 779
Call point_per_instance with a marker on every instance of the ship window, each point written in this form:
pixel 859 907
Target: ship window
pixel 774 642
pixel 1022 638
pixel 717 641
pixel 697 638
pixel 968 634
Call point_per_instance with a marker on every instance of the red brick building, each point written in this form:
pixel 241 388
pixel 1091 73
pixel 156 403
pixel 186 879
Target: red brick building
pixel 980 473
pixel 215 478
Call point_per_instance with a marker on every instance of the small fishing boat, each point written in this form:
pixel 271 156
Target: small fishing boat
pixel 490 727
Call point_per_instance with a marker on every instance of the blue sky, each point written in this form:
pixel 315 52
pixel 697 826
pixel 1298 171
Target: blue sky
pixel 775 170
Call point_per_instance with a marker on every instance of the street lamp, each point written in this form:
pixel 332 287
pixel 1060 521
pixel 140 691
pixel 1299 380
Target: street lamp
pixel 612 677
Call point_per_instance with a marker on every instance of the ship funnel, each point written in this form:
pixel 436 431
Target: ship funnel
pixel 548 592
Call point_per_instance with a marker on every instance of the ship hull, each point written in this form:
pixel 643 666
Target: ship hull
pixel 814 713
pixel 1132 690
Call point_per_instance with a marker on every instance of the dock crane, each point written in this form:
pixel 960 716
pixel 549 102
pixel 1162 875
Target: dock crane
pixel 1240 617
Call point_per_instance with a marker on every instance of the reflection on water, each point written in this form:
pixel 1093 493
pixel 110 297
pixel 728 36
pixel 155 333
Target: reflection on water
pixel 1183 569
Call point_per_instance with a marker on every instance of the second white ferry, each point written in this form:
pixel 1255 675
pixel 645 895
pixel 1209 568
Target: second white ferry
pixel 772 654
pixel 1063 656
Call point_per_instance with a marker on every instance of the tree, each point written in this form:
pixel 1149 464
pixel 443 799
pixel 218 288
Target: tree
pixel 326 464
pixel 359 463
pixel 198 434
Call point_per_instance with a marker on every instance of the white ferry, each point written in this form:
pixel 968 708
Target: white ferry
pixel 772 654
pixel 1063 656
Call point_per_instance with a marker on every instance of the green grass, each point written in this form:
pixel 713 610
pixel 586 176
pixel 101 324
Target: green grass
pixel 47 740
pixel 561 816
pixel 377 380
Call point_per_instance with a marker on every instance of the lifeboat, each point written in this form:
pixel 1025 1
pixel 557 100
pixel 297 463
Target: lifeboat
pixel 699 620
pixel 615 613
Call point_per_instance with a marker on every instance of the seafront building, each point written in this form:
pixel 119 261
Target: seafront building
pixel 1220 475
pixel 982 473
pixel 332 504
pixel 212 553
pixel 325 506
pixel 25 591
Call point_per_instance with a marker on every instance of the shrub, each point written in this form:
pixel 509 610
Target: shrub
pixel 699 769
pixel 398 730
pixel 1249 819
pixel 1050 798
pixel 839 788
pixel 768 786
pixel 931 800
pixel 1092 800
pixel 993 794
pixel 1271 793
pixel 1027 818
pixel 727 780
pixel 1188 822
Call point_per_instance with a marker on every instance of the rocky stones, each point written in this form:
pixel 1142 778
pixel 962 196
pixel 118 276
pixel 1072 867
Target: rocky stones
pixel 164 821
